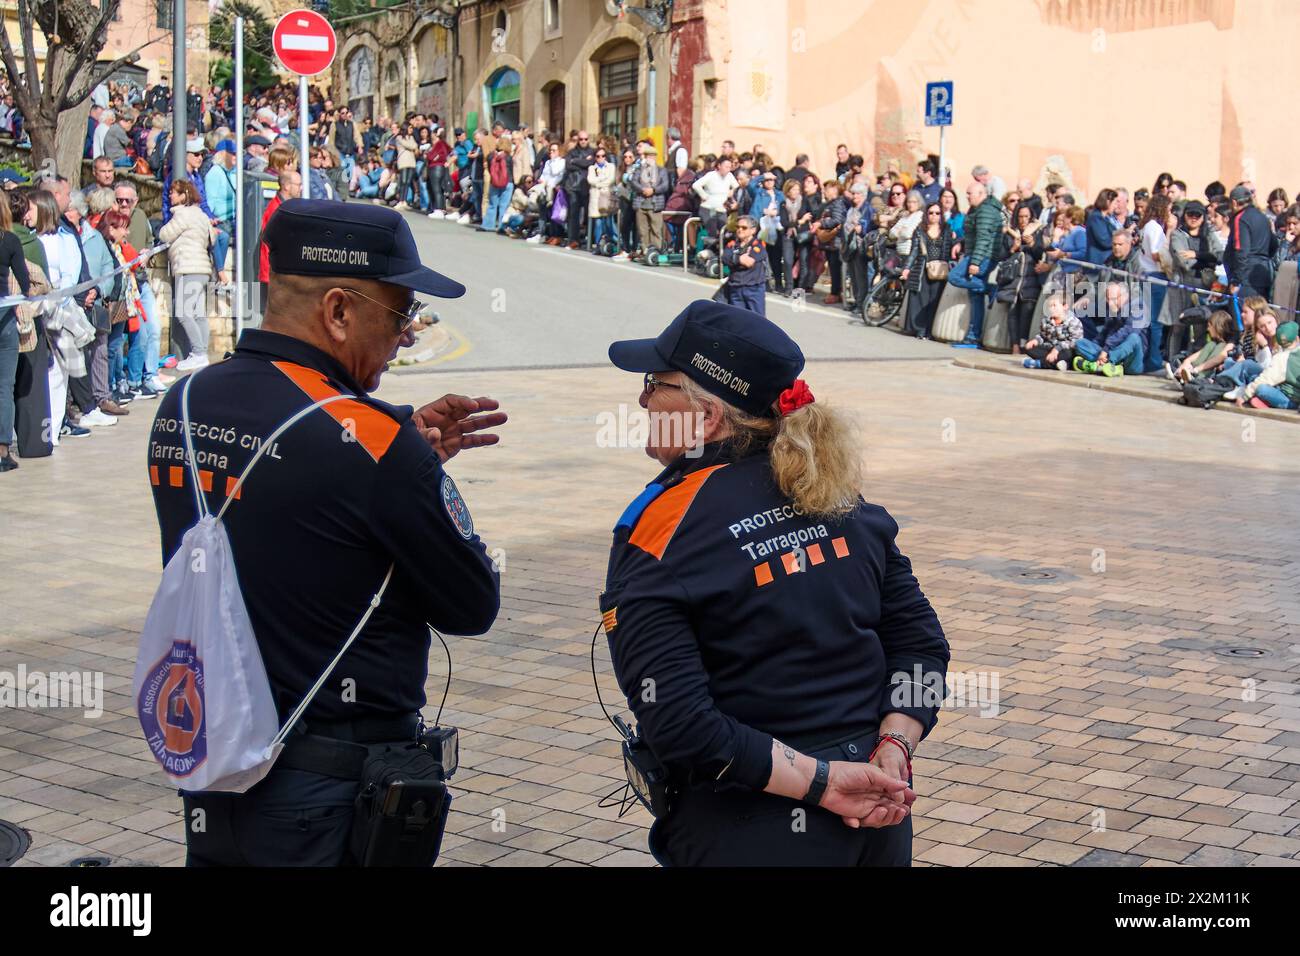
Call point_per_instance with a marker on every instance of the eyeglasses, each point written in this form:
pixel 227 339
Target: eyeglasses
pixel 124 201
pixel 651 383
pixel 413 311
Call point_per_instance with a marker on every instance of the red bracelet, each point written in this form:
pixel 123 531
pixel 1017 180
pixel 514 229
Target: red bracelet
pixel 899 745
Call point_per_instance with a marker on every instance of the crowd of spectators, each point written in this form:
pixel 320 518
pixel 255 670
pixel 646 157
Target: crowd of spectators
pixel 1099 276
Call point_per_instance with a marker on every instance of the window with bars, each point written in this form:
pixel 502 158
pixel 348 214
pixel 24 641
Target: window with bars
pixel 618 79
pixel 618 106
pixel 164 9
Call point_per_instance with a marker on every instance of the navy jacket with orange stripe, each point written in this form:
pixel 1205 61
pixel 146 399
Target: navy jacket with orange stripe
pixel 733 619
pixel 347 490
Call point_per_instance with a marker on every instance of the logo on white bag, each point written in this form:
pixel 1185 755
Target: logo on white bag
pixel 171 710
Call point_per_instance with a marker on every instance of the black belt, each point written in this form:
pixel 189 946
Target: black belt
pixel 339 748
pixel 365 730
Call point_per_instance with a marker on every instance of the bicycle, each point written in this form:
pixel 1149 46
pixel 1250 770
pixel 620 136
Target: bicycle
pixel 884 300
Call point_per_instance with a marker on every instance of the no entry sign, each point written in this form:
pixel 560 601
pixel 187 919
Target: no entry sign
pixel 304 41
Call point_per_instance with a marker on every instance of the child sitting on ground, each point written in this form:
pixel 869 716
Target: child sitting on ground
pixel 1053 346
pixel 1222 331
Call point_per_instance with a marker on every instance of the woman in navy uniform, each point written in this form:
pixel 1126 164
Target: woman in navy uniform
pixel 778 655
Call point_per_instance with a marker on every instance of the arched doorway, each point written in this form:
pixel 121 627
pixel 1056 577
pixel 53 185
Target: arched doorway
pixel 501 98
pixel 553 99
pixel 432 60
pixel 617 72
pixel 361 83
pixel 394 89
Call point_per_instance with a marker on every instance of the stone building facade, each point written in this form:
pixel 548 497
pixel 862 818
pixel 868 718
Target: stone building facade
pixel 1088 92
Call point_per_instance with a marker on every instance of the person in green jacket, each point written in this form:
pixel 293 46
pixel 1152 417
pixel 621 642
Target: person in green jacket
pixel 982 228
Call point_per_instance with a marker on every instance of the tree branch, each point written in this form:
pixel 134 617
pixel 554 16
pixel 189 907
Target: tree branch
pixel 86 53
pixel 72 99
pixel 17 86
pixel 25 27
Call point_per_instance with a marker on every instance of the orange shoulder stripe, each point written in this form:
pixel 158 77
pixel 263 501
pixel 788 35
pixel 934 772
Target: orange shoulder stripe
pixel 659 522
pixel 372 429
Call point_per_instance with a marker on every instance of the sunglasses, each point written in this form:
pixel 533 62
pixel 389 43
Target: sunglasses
pixel 413 311
pixel 651 383
pixel 124 202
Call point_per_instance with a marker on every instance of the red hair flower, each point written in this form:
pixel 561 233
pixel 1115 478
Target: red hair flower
pixel 795 397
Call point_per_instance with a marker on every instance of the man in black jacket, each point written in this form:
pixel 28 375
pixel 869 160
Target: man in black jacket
pixel 1250 240
pixel 576 163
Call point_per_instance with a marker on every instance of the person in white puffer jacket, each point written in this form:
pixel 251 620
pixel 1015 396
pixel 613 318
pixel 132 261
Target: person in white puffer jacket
pixel 189 233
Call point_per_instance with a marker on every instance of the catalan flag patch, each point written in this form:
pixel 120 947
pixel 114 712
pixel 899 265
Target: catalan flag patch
pixel 610 618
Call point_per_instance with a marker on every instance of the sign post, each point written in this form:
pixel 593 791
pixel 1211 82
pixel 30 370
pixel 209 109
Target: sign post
pixel 938 112
pixel 240 225
pixel 305 44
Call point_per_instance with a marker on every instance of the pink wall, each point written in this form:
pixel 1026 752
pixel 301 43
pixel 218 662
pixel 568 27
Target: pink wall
pixel 1117 90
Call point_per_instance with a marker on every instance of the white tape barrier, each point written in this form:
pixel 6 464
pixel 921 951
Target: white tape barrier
pixel 58 295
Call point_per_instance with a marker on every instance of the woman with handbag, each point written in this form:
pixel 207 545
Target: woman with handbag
pixel 829 229
pixel 805 238
pixel 32 380
pixel 125 310
pixel 190 235
pixel 18 333
pixel 791 212
pixel 66 335
pixel 106 361
pixel 1026 246
pixel 926 270
pixel 600 197
pixel 552 177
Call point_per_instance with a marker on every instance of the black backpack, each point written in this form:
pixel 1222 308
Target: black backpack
pixel 158 158
pixel 1205 392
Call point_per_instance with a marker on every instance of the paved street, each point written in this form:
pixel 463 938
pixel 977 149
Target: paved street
pixel 1116 575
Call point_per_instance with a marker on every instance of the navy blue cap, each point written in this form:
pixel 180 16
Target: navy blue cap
pixel 322 237
pixel 732 353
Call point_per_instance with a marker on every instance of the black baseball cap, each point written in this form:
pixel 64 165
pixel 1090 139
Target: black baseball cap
pixel 732 353
pixel 1194 207
pixel 257 141
pixel 322 237
pixel 1241 194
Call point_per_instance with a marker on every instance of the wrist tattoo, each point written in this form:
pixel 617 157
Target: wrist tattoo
pixel 789 753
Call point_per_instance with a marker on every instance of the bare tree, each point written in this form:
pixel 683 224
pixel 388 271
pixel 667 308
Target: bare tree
pixel 75 32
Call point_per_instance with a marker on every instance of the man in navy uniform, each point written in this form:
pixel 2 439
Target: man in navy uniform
pixel 746 257
pixel 350 489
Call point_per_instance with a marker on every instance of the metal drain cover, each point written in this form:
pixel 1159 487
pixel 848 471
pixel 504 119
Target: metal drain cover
pixel 90 861
pixel 1038 575
pixel 1242 652
pixel 14 842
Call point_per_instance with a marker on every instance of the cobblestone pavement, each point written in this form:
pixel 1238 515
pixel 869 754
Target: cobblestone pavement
pixel 1105 578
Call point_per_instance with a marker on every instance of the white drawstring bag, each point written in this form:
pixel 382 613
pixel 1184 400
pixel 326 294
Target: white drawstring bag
pixel 200 687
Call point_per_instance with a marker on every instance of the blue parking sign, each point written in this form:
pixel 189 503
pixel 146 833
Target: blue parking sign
pixel 938 104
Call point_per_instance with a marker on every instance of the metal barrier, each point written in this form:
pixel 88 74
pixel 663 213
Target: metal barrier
pixel 1171 284
pixel 686 225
